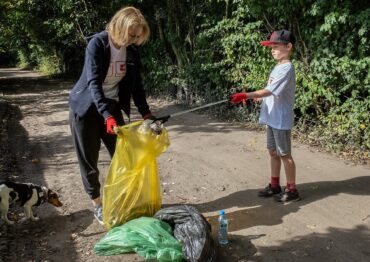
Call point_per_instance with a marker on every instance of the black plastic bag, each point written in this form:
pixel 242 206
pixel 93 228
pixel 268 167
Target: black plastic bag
pixel 192 230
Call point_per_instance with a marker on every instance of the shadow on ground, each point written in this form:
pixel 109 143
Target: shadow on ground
pixel 47 238
pixel 338 244
pixel 260 211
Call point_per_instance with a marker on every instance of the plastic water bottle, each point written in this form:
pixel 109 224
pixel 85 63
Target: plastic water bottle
pixel 222 229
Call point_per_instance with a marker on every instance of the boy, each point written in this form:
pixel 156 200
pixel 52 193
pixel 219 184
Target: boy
pixel 277 114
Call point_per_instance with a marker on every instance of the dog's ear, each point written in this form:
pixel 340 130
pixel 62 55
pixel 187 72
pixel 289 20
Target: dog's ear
pixel 51 193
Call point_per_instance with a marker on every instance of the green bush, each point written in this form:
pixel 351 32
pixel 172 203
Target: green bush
pixel 49 65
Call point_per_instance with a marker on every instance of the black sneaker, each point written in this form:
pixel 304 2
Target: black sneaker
pixel 287 196
pixel 269 191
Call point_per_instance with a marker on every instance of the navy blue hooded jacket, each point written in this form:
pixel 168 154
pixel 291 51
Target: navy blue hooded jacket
pixel 89 88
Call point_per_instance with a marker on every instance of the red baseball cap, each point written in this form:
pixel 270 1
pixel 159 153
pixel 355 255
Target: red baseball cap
pixel 281 36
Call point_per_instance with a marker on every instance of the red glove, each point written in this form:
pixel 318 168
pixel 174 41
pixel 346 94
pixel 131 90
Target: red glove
pixel 148 116
pixel 111 123
pixel 238 98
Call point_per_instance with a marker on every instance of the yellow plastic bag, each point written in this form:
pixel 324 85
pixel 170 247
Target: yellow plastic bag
pixel 132 186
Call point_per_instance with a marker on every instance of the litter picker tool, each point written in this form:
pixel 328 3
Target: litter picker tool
pixel 165 118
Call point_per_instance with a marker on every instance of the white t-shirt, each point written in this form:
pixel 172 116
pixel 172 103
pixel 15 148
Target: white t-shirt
pixel 116 71
pixel 277 109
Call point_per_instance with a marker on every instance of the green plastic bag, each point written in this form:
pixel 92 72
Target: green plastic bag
pixel 149 237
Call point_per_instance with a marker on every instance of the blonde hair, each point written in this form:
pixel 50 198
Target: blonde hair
pixel 122 21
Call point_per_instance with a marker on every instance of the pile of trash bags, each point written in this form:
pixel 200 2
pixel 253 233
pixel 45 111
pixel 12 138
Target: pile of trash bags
pixel 153 238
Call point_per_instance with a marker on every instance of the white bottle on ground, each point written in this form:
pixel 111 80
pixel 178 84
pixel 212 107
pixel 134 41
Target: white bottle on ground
pixel 222 229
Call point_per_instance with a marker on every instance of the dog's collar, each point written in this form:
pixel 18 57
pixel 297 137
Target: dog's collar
pixel 42 195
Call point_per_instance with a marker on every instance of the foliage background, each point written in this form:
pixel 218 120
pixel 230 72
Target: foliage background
pixel 202 51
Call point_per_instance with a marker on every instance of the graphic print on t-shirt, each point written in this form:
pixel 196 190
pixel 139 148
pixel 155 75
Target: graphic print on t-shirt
pixel 270 80
pixel 119 69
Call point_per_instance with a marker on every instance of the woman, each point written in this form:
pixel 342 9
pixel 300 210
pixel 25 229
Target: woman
pixel 110 77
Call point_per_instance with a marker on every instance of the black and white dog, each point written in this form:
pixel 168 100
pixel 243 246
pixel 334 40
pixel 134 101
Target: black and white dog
pixel 26 195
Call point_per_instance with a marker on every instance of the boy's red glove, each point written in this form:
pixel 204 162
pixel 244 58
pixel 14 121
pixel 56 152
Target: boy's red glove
pixel 238 98
pixel 111 123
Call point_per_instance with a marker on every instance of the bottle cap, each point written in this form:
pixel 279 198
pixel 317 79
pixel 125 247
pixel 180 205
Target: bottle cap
pixel 222 212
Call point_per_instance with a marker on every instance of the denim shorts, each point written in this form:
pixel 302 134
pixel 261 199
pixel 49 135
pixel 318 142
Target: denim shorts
pixel 279 141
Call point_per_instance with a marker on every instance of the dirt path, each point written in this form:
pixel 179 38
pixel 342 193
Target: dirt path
pixel 211 165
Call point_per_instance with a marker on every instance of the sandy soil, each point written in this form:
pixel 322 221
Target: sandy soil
pixel 210 164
